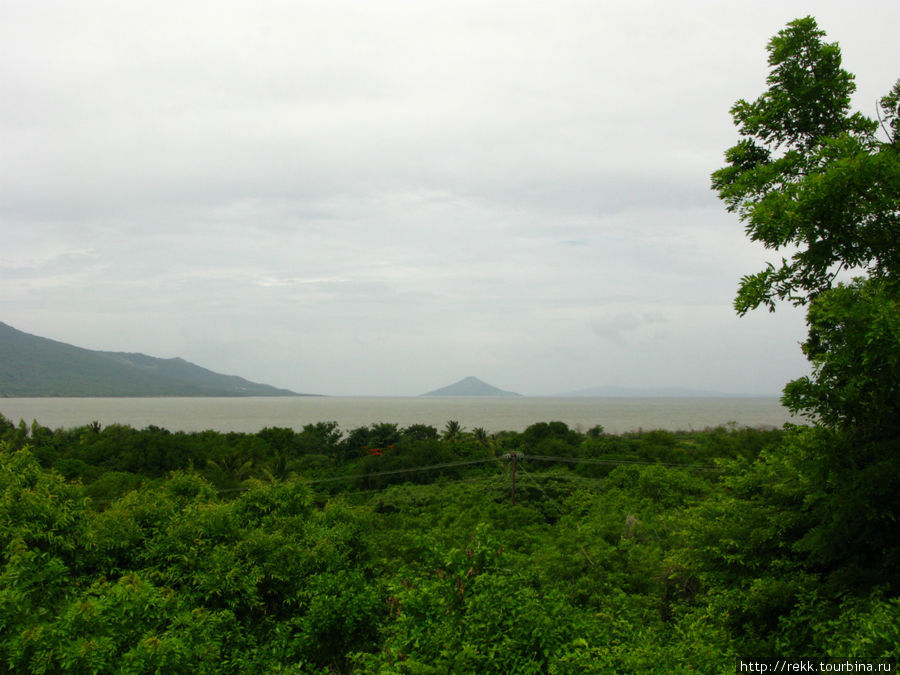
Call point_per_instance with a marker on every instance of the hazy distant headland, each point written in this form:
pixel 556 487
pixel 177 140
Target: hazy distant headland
pixel 651 392
pixel 37 366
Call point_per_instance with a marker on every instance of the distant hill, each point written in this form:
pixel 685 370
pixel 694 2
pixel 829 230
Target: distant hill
pixel 657 392
pixel 36 366
pixel 470 386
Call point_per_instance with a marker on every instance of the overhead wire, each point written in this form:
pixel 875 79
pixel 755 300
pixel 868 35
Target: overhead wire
pixel 471 462
pixel 390 472
pixel 620 462
pixel 453 481
pixel 561 512
pixel 590 481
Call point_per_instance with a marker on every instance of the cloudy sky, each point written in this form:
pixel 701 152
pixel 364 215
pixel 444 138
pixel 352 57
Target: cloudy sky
pixel 380 198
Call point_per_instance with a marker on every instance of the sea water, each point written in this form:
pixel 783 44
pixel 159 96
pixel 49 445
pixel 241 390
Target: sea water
pixel 250 414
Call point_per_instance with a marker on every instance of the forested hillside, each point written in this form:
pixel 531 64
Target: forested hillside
pixel 36 366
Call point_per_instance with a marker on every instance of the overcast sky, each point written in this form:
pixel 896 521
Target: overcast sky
pixel 380 198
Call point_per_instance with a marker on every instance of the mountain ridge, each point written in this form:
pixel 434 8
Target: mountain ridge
pixel 34 366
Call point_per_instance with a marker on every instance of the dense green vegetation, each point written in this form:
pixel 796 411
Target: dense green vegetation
pixel 405 550
pixel 321 551
pixel 810 178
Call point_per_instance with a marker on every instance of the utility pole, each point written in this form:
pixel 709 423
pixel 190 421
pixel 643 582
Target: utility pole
pixel 513 457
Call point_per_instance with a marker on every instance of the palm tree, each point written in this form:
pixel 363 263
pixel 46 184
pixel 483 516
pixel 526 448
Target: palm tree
pixel 452 430
pixel 279 467
pixel 229 471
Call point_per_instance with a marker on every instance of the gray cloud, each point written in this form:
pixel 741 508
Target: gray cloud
pixel 376 198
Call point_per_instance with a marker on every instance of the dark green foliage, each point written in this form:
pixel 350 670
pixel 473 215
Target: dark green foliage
pixel 854 391
pixel 420 432
pixel 808 174
pixel 538 438
pixel 171 578
pixel 452 430
pixel 816 517
pixel 854 347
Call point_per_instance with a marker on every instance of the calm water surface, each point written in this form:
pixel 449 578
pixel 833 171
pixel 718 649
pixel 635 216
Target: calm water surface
pixel 617 415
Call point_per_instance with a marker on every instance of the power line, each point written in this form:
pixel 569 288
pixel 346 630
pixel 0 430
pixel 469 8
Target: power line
pixel 592 481
pixel 620 462
pixel 471 462
pixel 562 513
pixel 543 492
pixel 489 479
pixel 398 471
pixel 374 474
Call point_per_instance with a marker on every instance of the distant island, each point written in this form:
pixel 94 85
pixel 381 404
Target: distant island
pixel 470 386
pixel 32 366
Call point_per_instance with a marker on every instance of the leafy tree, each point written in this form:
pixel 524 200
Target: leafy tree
pixel 6 425
pixel 809 175
pixel 230 470
pixel 321 438
pixel 853 346
pixel 480 435
pixel 356 442
pixel 279 439
pixel 384 434
pixel 420 432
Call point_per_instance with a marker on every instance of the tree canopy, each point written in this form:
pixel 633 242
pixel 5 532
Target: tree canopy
pixel 810 178
pixel 820 183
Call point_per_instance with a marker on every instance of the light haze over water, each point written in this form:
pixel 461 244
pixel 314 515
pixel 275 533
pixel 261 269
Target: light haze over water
pixel 616 415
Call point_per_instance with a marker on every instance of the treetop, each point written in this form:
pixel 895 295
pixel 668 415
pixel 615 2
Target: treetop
pixel 809 176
